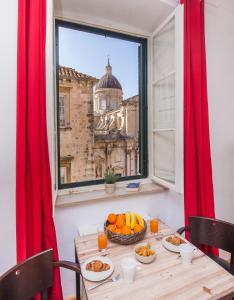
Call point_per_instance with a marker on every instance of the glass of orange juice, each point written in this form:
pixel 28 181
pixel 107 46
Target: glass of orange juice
pixel 102 240
pixel 153 225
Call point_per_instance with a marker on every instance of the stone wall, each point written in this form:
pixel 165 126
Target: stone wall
pixel 76 140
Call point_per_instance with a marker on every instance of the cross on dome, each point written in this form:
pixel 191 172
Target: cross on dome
pixel 108 68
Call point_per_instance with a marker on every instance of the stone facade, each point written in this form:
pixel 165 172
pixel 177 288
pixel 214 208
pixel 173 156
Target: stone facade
pixel 98 129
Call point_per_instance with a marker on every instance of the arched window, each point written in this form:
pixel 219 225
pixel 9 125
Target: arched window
pixel 103 104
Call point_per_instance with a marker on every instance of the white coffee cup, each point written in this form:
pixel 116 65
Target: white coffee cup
pixel 129 267
pixel 186 252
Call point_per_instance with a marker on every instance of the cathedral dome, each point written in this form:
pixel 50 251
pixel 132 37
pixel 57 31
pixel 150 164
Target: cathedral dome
pixel 108 81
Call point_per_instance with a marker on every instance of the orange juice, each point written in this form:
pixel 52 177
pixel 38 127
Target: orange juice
pixel 102 241
pixel 154 225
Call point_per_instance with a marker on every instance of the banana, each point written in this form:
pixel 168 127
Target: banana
pixel 133 220
pixel 128 219
pixel 140 220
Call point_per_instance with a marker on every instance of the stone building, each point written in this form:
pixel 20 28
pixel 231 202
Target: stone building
pixel 98 129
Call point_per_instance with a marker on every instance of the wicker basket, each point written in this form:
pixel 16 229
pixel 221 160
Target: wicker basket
pixel 127 239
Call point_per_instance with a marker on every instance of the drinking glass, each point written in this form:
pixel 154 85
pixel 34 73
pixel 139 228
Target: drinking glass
pixel 129 267
pixel 186 252
pixel 102 240
pixel 153 225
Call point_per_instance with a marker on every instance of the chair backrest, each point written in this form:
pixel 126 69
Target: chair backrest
pixel 212 232
pixel 25 280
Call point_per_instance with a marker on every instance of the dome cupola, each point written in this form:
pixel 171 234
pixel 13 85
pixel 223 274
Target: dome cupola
pixel 108 81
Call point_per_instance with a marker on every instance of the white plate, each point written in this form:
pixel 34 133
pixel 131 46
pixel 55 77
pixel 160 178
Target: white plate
pixel 97 276
pixel 169 246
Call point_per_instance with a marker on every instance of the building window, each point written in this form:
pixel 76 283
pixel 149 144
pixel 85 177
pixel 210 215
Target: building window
pixel 103 104
pixel 62 111
pixel 65 169
pixel 63 175
pixel 105 75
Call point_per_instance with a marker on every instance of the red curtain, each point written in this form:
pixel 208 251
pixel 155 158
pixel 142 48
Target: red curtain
pixel 198 184
pixel 34 222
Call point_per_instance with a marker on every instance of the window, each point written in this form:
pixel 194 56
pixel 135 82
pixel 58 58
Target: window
pixel 62 111
pixel 63 175
pixel 65 169
pixel 167 102
pixel 102 105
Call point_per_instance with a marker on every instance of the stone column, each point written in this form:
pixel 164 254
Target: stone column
pixel 108 154
pixel 128 162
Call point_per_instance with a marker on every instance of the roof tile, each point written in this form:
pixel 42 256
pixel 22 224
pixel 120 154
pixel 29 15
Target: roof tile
pixel 69 73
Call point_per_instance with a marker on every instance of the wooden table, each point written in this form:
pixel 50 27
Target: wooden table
pixel 165 278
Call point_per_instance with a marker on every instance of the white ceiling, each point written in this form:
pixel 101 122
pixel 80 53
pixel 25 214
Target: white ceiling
pixel 226 4
pixel 141 16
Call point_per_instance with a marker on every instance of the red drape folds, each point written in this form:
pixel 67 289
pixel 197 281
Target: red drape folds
pixel 198 184
pixel 35 228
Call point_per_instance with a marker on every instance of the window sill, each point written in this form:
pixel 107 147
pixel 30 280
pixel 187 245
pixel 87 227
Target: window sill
pixel 64 128
pixel 75 198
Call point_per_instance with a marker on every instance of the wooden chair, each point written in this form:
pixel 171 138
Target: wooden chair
pixel 214 233
pixel 32 276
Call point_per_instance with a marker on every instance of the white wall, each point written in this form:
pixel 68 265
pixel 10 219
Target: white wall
pixel 8 29
pixel 220 69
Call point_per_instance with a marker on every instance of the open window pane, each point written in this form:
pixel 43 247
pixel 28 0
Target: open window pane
pixel 164 103
pixel 167 102
pixel 164 51
pixel 164 155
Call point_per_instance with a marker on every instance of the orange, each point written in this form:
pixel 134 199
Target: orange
pixel 138 228
pixel 121 217
pixel 118 231
pixel 111 228
pixel 126 230
pixel 132 231
pixel 120 223
pixel 111 218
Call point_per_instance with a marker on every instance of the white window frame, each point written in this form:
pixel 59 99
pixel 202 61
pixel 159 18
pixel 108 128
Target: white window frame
pixel 178 186
pixel 51 105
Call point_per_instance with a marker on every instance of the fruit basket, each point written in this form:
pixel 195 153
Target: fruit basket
pixel 125 229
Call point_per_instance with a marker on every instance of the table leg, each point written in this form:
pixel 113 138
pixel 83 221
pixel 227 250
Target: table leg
pixel 78 292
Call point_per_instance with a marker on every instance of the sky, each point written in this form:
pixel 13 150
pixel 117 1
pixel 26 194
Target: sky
pixel 88 53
